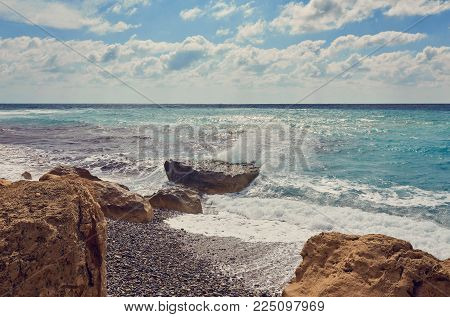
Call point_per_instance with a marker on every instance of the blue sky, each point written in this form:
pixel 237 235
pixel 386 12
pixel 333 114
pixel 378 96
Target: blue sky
pixel 225 51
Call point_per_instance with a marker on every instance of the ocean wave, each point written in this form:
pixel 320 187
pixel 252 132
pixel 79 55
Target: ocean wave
pixel 26 112
pixel 286 203
pixel 332 189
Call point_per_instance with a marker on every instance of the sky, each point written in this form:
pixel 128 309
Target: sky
pixel 225 51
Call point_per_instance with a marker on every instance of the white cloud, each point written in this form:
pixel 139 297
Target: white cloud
pixel 218 10
pixel 223 32
pixel 117 8
pixel 187 53
pixel 106 27
pixel 429 67
pixel 247 9
pixel 417 7
pixel 388 38
pixel 127 4
pixel 129 7
pixel 132 11
pixel 251 32
pixel 223 9
pixel 320 15
pixel 191 14
pixel 197 62
pixel 60 15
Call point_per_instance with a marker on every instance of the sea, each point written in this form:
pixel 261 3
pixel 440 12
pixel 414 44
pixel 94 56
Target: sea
pixel 355 169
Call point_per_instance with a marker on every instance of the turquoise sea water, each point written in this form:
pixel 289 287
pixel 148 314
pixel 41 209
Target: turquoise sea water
pixel 358 169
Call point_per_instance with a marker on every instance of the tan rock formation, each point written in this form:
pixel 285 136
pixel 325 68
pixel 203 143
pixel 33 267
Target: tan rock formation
pixel 4 182
pixel 115 200
pixel 177 198
pixel 52 240
pixel 336 264
pixel 64 170
pixel 119 203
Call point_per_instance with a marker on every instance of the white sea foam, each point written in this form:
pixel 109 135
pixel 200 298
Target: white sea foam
pixel 20 113
pixel 224 224
pixel 407 196
pixel 17 158
pixel 38 112
pixel 13 113
pixel 256 219
pixel 341 189
pixel 367 120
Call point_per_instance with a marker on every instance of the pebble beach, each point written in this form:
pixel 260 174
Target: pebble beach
pixel 155 260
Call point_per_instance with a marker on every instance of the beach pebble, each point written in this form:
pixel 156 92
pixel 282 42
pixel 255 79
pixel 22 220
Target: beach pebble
pixel 27 176
pixel 155 260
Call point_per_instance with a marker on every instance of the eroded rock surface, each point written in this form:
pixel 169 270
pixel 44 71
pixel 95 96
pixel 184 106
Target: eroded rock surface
pixel 4 182
pixel 336 264
pixel 177 198
pixel 115 200
pixel 64 170
pixel 52 240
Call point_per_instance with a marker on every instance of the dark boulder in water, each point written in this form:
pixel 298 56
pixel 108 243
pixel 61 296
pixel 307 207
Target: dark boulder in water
pixel 212 177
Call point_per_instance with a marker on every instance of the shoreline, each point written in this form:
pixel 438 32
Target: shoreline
pixel 156 260
pixel 76 220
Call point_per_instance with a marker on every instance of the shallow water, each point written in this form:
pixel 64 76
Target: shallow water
pixel 354 169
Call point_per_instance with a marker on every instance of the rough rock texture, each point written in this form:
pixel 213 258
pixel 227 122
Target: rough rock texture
pixel 27 176
pixel 115 200
pixel 336 264
pixel 119 203
pixel 177 198
pixel 212 177
pixel 69 170
pixel 4 182
pixel 52 240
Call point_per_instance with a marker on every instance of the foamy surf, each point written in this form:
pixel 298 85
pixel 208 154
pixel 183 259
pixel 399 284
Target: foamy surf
pixel 16 159
pixel 283 220
pixel 32 112
pixel 341 189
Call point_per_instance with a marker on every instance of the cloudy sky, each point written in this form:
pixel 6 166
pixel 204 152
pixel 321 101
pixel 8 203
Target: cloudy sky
pixel 225 51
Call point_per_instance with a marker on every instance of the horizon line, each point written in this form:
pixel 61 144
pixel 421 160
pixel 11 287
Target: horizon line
pixel 223 104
